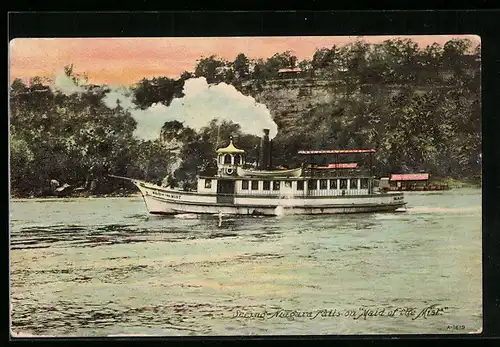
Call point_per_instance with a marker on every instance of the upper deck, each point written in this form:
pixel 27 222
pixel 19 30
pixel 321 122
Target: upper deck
pixel 234 176
pixel 289 187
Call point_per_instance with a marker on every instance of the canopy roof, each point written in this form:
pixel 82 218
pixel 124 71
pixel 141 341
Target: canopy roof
pixel 337 151
pixel 230 148
pixel 336 166
pixel 295 69
pixel 410 177
pixel 342 166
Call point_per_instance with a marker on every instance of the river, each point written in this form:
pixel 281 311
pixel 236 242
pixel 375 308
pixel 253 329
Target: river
pixel 103 266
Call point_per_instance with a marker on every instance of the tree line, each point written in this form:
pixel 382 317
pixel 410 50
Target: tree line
pixel 77 140
pixel 419 107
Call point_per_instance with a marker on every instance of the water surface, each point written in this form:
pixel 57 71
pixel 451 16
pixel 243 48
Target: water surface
pixel 103 266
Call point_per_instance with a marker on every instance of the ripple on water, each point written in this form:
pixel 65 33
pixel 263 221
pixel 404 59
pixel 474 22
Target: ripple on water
pixel 106 267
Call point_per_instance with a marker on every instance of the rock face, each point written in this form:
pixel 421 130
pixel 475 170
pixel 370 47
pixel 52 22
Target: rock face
pixel 288 99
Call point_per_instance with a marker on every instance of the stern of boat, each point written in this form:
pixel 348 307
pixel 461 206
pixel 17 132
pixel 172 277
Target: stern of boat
pixel 398 200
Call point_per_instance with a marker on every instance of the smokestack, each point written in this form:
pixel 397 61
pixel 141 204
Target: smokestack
pixel 265 152
pixel 270 154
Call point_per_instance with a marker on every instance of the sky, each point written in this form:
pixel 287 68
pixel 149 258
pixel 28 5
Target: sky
pixel 125 61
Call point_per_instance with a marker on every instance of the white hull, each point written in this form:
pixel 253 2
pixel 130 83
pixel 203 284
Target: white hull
pixel 161 200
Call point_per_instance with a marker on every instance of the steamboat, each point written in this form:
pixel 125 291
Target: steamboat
pixel 239 189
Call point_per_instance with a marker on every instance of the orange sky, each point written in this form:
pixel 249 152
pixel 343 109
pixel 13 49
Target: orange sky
pixel 126 60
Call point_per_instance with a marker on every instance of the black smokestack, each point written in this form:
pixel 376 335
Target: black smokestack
pixel 270 154
pixel 265 151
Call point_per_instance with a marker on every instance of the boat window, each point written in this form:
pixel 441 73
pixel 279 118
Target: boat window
pixel 267 185
pixel 354 183
pixel 300 185
pixel 244 184
pixel 276 185
pixel 323 184
pixel 288 184
pixel 343 183
pixel 312 184
pixel 255 185
pixel 208 184
pixel 227 159
pixel 237 159
pixel 333 184
pixel 364 183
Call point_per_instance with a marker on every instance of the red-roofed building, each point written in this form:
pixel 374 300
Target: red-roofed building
pixel 410 177
pixel 417 181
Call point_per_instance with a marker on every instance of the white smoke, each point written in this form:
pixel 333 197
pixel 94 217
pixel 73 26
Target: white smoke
pixel 66 85
pixel 201 104
pixel 171 168
pixel 119 95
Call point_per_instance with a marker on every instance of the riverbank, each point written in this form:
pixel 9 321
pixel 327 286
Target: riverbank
pixel 76 196
pixel 450 182
pixel 455 184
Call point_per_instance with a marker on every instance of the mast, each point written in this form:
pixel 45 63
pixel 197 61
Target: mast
pixel 218 138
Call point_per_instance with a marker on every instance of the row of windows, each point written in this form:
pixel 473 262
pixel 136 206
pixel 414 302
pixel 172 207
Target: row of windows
pixel 311 184
pixel 266 185
pixel 337 183
pixel 227 159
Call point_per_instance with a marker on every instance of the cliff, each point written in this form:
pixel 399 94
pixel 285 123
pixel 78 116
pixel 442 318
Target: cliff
pixel 291 98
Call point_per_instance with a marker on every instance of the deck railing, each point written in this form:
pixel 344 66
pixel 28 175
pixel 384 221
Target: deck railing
pixel 304 193
pixel 337 192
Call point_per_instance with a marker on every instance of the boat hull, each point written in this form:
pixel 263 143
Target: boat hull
pixel 166 201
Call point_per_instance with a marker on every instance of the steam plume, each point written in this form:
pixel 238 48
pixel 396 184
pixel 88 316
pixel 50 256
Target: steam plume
pixel 202 103
pixel 66 85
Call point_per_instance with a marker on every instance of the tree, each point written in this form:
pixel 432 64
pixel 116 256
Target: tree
pixel 259 70
pixel 18 86
pixel 431 60
pixel 280 61
pixel 174 133
pixel 186 75
pixel 212 68
pixel 305 65
pixel 67 138
pixel 326 58
pixel 78 79
pixel 241 66
pixel 152 161
pixel 354 57
pixel 420 108
pixel 398 57
pixel 456 47
pixel 21 164
pixel 157 90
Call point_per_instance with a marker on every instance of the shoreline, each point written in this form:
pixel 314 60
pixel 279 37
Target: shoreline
pixel 69 196
pixel 138 194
